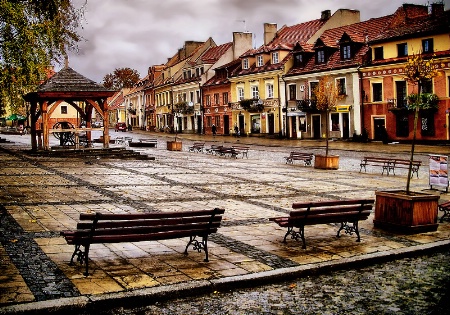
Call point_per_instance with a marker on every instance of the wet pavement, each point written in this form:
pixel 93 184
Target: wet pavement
pixel 43 196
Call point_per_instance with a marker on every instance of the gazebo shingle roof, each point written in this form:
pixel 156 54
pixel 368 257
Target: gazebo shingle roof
pixel 68 80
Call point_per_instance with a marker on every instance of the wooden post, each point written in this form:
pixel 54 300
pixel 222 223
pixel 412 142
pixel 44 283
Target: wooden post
pixel 45 126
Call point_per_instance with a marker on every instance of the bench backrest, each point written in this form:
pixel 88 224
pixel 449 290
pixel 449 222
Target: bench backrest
pixel 339 208
pixel 105 227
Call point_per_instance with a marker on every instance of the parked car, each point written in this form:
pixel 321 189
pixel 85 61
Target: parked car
pixel 121 126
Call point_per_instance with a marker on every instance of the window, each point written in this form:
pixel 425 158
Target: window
pixel 240 94
pixel 378 53
pixel 402 50
pixel 320 56
pixel 198 96
pixel 345 52
pixel 208 121
pixel 292 92
pixel 377 92
pixel 312 90
pixel 402 125
pixel 255 92
pixel 426 86
pixel 197 72
pixel 298 60
pixel 225 98
pixel 217 121
pixel 216 99
pixel 400 89
pixel 335 122
pixel 191 96
pixel 427 45
pixel 269 90
pixel 274 57
pixel 340 83
pixel 302 124
pixel 427 126
pixel 63 109
pixel 448 85
pixel 208 100
pixel 184 97
pixel 259 61
pixel 245 63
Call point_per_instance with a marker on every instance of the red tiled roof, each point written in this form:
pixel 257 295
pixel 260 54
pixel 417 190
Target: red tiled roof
pixel 214 53
pixel 220 77
pixel 358 33
pixel 116 100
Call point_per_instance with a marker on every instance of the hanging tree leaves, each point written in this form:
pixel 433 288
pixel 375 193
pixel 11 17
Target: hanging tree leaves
pixel 33 35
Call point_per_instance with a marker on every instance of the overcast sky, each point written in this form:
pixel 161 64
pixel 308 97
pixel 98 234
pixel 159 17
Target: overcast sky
pixel 141 33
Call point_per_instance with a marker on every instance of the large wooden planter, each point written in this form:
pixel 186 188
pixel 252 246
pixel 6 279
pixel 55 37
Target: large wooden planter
pixel 399 212
pixel 174 145
pixel 326 162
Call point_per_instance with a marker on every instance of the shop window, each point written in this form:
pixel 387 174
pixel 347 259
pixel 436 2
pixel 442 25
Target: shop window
pixel 302 124
pixel 335 122
pixel 256 124
pixel 402 125
pixel 427 124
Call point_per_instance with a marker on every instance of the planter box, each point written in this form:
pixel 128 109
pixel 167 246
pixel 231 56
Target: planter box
pixel 174 145
pixel 330 162
pixel 399 212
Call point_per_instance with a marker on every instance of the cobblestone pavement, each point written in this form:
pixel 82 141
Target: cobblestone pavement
pixel 418 285
pixel 43 196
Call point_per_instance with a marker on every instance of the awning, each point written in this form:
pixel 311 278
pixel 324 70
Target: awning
pixel 16 117
pixel 296 114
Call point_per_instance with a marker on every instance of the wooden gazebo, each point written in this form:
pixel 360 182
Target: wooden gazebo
pixel 74 89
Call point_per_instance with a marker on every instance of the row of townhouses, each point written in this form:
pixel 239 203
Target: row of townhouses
pixel 270 90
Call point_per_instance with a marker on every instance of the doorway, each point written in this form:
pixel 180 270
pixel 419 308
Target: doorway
pixel 379 128
pixel 345 126
pixel 226 125
pixel 271 122
pixel 316 126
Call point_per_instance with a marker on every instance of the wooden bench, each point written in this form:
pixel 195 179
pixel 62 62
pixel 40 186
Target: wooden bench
pixel 152 143
pixel 197 147
pixel 399 163
pixel 346 212
pixel 117 228
pixel 241 150
pixel 375 161
pixel 446 208
pixel 299 156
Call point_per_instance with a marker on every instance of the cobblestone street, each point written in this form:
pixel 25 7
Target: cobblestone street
pixel 44 195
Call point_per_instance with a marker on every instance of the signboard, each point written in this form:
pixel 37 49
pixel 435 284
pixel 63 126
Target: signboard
pixel 438 171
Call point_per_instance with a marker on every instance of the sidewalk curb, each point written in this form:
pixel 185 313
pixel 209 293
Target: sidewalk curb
pixel 104 302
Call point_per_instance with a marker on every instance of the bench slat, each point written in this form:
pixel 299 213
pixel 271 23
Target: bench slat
pixel 326 203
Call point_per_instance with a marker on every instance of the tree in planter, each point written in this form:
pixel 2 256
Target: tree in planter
pixel 326 95
pixel 418 71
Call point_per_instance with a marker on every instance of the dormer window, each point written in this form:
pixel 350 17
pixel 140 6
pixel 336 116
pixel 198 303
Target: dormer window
pixel 346 52
pixel 275 57
pixel 245 63
pixel 298 60
pixel 259 61
pixel 320 56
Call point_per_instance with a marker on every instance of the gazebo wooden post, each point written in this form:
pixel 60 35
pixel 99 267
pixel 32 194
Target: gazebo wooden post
pixel 45 131
pixel 33 109
pixel 104 107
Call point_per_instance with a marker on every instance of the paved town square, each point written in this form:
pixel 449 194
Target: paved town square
pixel 45 195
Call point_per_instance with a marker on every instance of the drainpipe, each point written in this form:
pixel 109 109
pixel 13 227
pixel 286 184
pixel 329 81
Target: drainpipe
pixel 362 95
pixel 285 102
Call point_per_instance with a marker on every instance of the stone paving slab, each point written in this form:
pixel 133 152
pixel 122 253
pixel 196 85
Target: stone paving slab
pixel 45 196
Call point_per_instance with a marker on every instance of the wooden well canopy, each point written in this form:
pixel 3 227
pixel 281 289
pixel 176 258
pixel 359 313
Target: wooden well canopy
pixel 74 89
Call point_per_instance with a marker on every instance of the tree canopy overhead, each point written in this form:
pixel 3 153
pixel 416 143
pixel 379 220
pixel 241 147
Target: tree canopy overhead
pixel 33 35
pixel 121 78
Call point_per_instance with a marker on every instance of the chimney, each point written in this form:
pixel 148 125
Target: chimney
pixel 242 41
pixel 270 30
pixel 437 9
pixel 325 15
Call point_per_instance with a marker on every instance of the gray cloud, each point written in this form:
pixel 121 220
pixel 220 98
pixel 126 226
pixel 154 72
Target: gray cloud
pixel 142 33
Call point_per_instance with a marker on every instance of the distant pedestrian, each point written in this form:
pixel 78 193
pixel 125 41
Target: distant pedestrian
pixel 236 131
pixel 214 129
